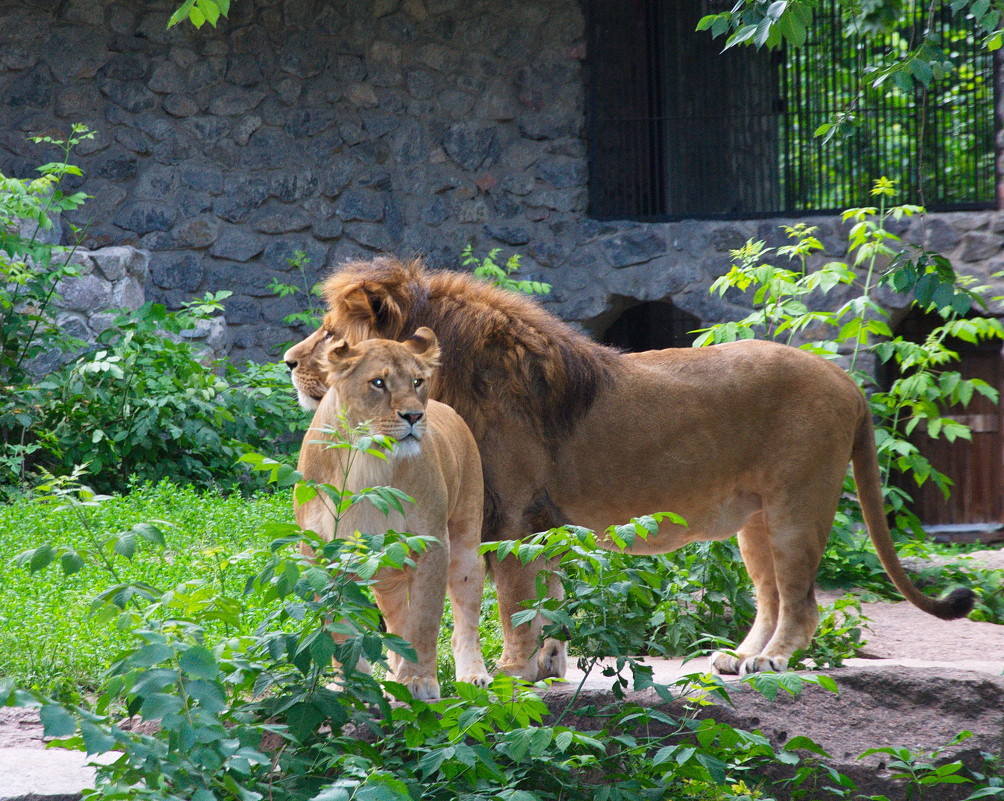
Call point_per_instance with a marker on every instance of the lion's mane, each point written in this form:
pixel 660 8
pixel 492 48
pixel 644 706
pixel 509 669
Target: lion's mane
pixel 502 353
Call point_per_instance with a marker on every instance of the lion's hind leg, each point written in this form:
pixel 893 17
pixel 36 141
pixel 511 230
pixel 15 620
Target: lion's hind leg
pixel 782 553
pixel 754 544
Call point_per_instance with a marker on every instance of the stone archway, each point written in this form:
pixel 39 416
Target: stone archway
pixel 651 325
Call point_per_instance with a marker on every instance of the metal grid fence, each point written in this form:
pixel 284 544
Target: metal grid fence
pixel 678 130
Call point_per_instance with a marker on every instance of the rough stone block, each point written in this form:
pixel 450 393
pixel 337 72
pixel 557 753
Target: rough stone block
pixel 508 234
pixel 370 235
pixel 978 245
pixel 472 145
pixel 232 100
pixel 32 88
pixel 128 294
pixel 85 293
pixel 146 216
pixel 280 220
pixel 562 172
pixel 133 96
pixel 933 233
pixel 177 271
pixel 237 244
pixel 361 205
pixel 328 229
pixel 196 233
pixel 113 262
pixel 632 247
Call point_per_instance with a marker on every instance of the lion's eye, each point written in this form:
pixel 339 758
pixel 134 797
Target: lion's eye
pixel 379 383
pixel 418 382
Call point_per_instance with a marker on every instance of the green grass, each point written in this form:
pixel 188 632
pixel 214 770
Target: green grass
pixel 47 640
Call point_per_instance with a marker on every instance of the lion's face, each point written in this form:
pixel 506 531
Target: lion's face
pixel 385 383
pixel 306 364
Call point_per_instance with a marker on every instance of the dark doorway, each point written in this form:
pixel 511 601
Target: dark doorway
pixel 977 466
pixel 652 326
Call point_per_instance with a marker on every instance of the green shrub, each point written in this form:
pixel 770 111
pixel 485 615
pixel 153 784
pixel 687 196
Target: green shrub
pixel 147 402
pixel 30 270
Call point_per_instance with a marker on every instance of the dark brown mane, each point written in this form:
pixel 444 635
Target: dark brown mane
pixel 502 354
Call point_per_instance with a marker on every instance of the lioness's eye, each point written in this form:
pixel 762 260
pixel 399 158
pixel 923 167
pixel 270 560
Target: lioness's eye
pixel 378 383
pixel 418 382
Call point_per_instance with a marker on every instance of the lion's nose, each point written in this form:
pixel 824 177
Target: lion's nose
pixel 411 417
pixel 291 364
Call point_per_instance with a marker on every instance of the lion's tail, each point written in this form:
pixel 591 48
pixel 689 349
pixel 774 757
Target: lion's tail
pixel 864 459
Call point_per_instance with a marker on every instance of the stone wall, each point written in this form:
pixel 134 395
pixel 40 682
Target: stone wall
pixel 346 128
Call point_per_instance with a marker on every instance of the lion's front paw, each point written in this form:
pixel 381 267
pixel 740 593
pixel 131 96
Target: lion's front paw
pixel 552 659
pixel 422 688
pixel 724 663
pixel 481 680
pixel 763 664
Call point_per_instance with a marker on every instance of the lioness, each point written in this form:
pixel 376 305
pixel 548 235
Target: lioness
pixel 750 437
pixel 436 462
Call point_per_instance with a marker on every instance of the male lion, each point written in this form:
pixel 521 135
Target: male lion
pixel 750 437
pixel 436 462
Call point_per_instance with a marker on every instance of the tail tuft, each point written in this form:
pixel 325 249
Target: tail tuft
pixel 958 603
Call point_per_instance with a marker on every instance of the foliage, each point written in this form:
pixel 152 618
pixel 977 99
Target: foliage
pixel 30 270
pixel 919 770
pixel 777 23
pixel 199 12
pixel 662 604
pixel 247 713
pixel 311 316
pixel 500 275
pixel 246 716
pixel 790 305
pixel 148 402
pixel 987 583
pixel 839 636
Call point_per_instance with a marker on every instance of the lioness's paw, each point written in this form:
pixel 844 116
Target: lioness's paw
pixel 481 680
pixel 421 688
pixel 724 663
pixel 763 664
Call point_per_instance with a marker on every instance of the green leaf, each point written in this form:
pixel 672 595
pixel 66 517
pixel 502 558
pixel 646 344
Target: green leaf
pixel 150 655
pixel 125 545
pixel 96 740
pixel 56 721
pixel 40 558
pixel 181 13
pixel 200 662
pixel 524 616
pixel 160 705
pixel 71 562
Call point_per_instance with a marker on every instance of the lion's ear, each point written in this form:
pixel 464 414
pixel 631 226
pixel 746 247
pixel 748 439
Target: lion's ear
pixel 368 303
pixel 423 343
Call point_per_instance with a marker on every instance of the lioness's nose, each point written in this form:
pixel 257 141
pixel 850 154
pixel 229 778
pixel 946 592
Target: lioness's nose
pixel 291 364
pixel 411 417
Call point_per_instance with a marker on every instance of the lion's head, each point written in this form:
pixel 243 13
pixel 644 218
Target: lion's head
pixel 384 383
pixel 305 361
pixel 503 355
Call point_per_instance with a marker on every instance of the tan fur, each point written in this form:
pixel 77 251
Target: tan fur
pixel 436 462
pixel 750 437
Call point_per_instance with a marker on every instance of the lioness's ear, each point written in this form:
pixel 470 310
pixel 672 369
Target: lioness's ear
pixel 337 358
pixel 423 343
